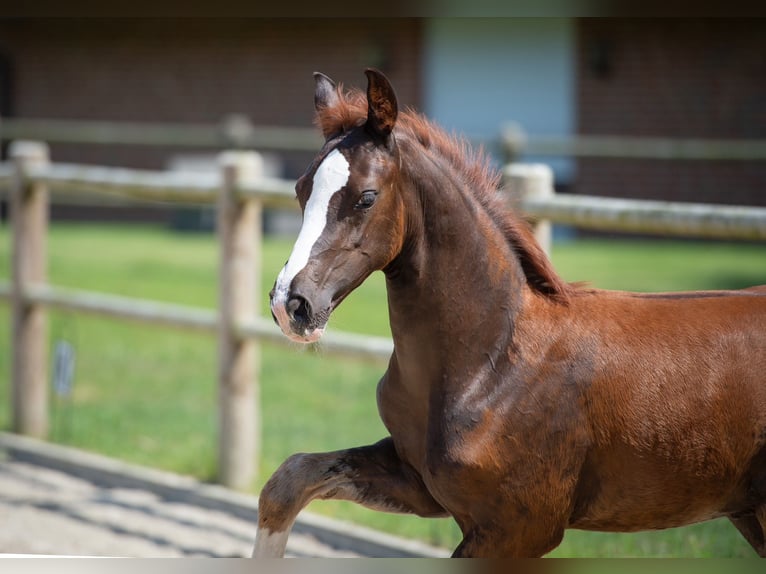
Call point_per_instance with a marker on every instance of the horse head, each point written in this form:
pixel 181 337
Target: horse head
pixel 353 220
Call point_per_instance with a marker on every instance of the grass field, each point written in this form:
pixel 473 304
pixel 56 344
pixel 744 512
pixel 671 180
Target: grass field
pixel 147 394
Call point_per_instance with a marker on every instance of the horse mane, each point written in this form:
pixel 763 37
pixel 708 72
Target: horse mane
pixel 476 171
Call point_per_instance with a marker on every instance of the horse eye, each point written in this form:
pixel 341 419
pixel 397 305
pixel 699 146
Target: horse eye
pixel 367 199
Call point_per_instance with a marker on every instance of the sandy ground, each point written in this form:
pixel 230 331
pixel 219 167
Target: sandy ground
pixel 44 511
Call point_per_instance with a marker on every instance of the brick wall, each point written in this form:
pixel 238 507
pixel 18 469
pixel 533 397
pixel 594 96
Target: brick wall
pixel 674 78
pixel 194 70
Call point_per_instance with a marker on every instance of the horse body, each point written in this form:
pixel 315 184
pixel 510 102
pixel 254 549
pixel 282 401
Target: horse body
pixel 677 408
pixel 600 398
pixel 515 403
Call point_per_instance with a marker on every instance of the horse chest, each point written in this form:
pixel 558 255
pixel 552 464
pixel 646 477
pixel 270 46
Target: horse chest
pixel 406 418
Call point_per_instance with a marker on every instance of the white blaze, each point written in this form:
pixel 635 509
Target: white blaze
pixel 329 178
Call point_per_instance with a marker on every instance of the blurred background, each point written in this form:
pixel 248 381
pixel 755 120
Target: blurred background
pixel 670 78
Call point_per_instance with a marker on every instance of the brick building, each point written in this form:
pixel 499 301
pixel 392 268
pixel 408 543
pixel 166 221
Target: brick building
pixel 190 70
pixel 674 78
pixel 670 77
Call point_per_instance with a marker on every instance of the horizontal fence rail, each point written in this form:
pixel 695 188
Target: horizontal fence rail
pixel 239 191
pixel 151 185
pixel 234 131
pixel 530 188
pixel 516 142
pixel 589 212
pixel 238 132
pixel 650 217
pixel 334 343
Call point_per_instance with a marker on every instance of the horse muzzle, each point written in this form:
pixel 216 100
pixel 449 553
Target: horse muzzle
pixel 298 317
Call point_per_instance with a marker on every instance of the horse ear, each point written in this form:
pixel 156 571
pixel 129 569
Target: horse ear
pixel 381 104
pixel 325 92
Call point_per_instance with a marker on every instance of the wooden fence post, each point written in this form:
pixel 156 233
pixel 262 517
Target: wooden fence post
pixel 527 181
pixel 29 337
pixel 239 235
pixel 513 140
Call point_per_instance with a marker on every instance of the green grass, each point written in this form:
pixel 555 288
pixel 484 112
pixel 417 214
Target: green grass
pixel 147 394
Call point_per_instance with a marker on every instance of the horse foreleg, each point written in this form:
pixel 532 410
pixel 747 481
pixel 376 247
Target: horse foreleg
pixel 499 541
pixel 373 476
pixel 753 529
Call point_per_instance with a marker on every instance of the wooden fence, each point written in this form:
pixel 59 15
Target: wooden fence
pixel 530 188
pixel 240 192
pixel 238 132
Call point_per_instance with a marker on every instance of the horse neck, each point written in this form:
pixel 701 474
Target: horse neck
pixel 457 286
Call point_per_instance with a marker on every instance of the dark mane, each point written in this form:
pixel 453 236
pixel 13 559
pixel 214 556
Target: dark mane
pixel 476 172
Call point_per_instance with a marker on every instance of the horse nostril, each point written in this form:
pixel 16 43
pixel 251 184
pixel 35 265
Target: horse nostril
pixel 298 308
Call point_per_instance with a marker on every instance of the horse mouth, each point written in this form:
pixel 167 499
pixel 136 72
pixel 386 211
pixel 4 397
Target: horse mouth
pixel 307 336
pixel 297 322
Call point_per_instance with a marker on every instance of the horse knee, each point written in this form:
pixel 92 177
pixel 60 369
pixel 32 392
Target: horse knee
pixel 283 495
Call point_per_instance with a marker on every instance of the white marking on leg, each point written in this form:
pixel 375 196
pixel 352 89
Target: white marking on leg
pixel 270 544
pixel 330 177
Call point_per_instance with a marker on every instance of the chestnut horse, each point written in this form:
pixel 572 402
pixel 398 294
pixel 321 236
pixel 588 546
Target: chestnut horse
pixel 516 403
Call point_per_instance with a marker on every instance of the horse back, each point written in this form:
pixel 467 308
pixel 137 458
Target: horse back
pixel 681 351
